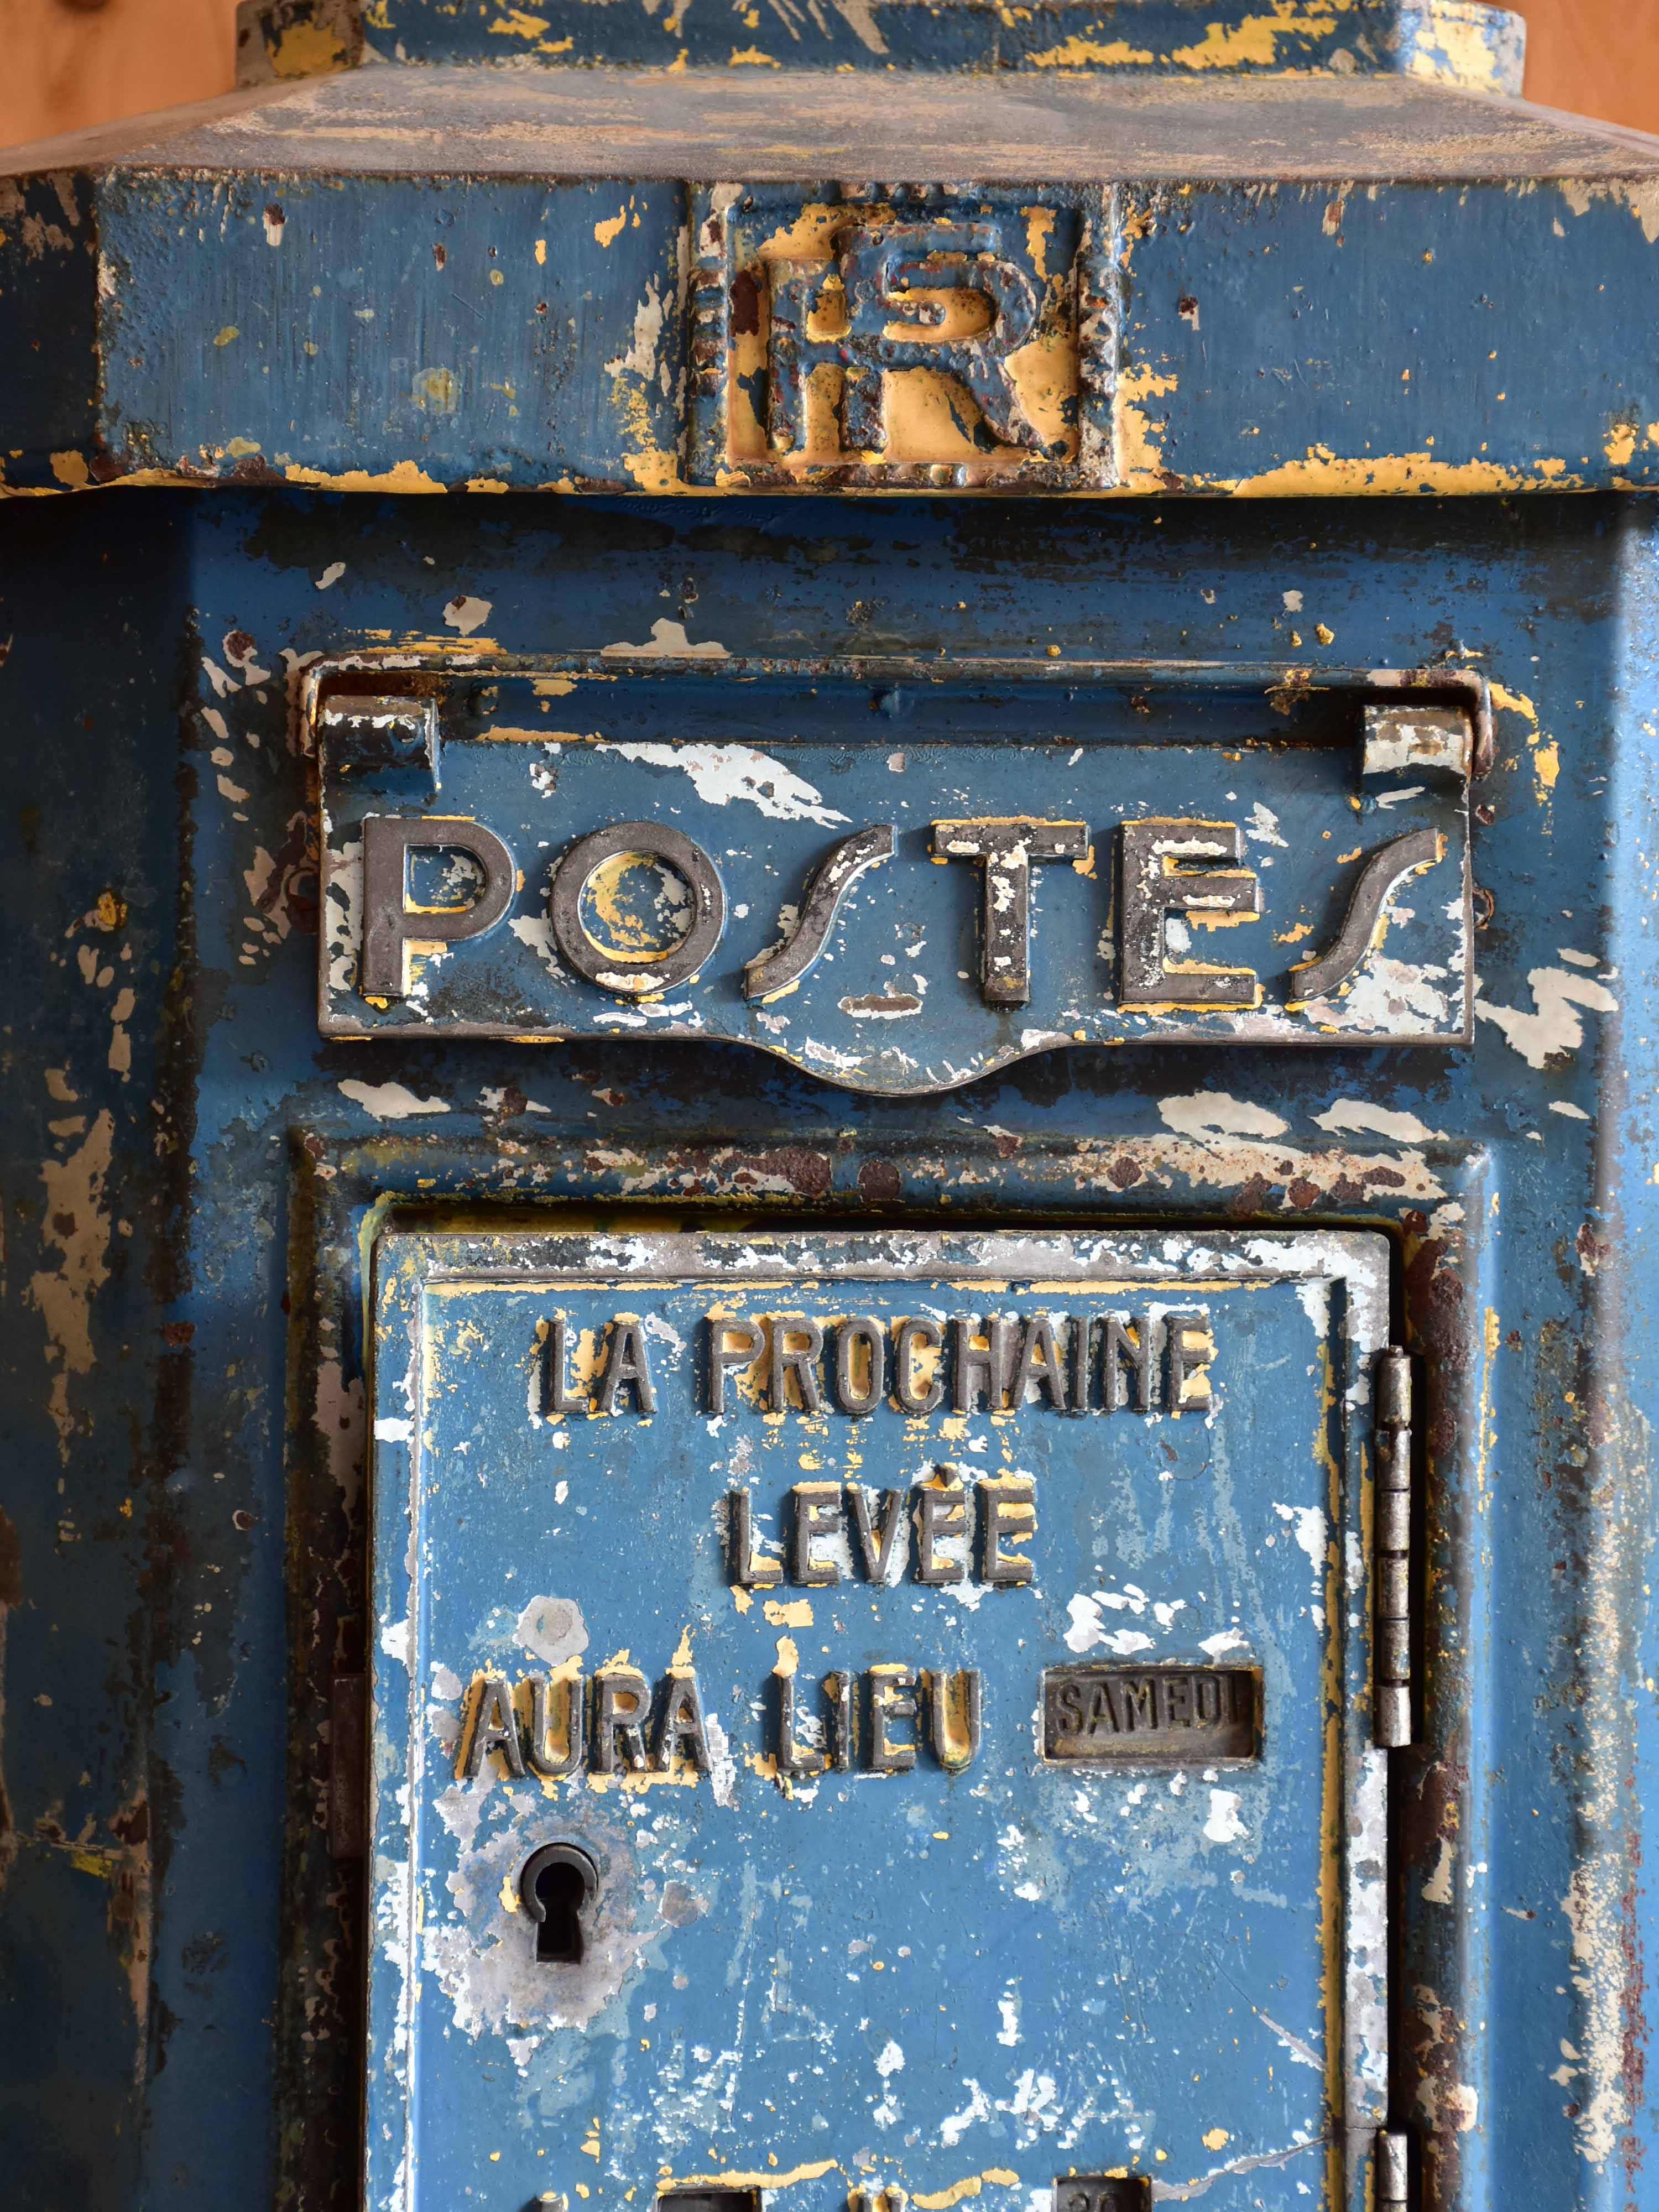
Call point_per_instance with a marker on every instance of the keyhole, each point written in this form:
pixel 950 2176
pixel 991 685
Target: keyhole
pixel 558 1887
pixel 561 1892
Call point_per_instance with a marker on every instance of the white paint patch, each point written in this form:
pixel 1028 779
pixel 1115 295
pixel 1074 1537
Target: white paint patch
pixel 1293 603
pixel 553 1628
pixel 1008 2007
pixel 859 16
pixel 1360 1115
pixel 1224 1825
pixel 1391 995
pixel 536 931
pixel 1303 2053
pixel 389 1102
pixel 76 1227
pixel 1229 1639
pixel 390 1429
pixel 955 2125
pixel 445 1682
pixel 398 1641
pixel 1565 1107
pixel 723 1766
pixel 1554 1026
pixel 1126 1642
pixel 669 641
pixel 720 774
pixel 331 575
pixel 1211 1114
pixel 466 613
pixel 1438 1889
pixel 1312 1534
pixel 1262 828
pixel 642 356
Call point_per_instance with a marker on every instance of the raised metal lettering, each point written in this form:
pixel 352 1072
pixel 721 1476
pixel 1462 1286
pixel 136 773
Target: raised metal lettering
pixel 391 925
pixel 1006 850
pixel 1158 878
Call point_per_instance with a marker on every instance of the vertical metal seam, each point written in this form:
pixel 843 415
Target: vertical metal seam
pixel 1392 1631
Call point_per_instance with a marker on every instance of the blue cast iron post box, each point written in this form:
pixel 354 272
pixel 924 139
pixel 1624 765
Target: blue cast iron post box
pixel 830 1118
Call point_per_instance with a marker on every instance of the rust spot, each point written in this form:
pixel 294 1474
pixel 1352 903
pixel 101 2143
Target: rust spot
pixel 878 1183
pixel 806 1172
pixel 745 305
pixel 130 1826
pixel 1302 1194
pixel 178 1332
pixel 1124 1173
pixel 11 1562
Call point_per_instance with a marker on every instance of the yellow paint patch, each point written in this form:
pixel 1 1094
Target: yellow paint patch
pixel 1254 42
pixel 607 232
pixel 309 49
pixel 788 1613
pixel 682 1649
pixel 656 469
pixel 1324 474
pixel 788 1657
pixel 1620 445
pixel 1215 2139
pixel 1545 755
pixel 1135 435
pixel 1457 45
pixel 759 2178
pixel 226 336
pixel 940 2200
pixel 751 57
pixel 70 471
pixel 515 23
pixel 1079 52
pixel 402 476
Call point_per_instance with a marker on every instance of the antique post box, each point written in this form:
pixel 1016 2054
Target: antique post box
pixel 829 1117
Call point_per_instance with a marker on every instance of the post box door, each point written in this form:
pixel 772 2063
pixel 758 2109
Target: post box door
pixel 877 1713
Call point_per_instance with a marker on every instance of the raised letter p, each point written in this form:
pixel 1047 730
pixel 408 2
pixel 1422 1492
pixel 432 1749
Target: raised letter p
pixel 391 924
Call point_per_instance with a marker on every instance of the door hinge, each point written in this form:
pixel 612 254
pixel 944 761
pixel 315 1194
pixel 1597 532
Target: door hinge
pixel 1391 1383
pixel 1391 2169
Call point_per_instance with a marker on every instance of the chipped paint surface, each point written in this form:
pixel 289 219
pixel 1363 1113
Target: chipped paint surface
pixel 1018 368
pixel 196 1577
pixel 687 1940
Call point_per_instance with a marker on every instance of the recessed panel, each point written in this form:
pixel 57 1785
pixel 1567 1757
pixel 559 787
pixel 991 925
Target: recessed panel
pixel 873 1713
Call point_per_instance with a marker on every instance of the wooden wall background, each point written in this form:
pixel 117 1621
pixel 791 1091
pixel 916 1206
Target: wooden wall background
pixel 64 63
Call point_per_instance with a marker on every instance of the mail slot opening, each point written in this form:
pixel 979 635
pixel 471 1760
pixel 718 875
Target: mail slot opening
pixel 708 2200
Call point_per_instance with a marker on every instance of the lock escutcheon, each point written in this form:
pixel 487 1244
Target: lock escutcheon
pixel 559 1888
